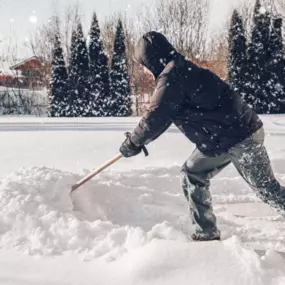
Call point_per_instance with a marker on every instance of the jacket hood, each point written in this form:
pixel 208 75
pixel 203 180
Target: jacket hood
pixel 154 51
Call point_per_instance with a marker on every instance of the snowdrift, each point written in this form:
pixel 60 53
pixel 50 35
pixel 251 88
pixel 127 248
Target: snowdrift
pixel 134 225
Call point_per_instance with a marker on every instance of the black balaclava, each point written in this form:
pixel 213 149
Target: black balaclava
pixel 154 51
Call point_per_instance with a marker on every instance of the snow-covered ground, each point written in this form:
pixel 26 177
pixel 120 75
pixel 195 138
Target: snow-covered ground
pixel 130 224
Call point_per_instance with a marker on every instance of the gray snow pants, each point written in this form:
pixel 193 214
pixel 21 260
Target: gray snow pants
pixel 250 159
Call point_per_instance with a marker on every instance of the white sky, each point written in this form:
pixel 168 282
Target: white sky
pixel 21 17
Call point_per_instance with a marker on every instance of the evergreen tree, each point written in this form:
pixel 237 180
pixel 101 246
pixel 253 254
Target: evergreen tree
pixel 78 75
pixel 120 103
pixel 265 24
pixel 258 80
pixel 238 56
pixel 253 68
pixel 276 65
pixel 99 72
pixel 58 84
pixel 71 110
pixel 265 84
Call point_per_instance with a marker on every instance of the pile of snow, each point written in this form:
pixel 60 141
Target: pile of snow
pixel 37 215
pixel 140 228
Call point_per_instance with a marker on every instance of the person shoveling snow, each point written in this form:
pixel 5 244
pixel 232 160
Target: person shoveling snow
pixel 212 116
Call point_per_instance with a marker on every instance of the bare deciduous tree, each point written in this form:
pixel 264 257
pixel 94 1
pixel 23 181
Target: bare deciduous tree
pixel 41 42
pixel 276 7
pixel 184 22
pixel 108 30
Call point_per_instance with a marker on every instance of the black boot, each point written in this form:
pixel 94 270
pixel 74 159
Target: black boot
pixel 197 237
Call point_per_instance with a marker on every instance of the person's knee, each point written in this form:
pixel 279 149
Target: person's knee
pixel 193 176
pixel 187 174
pixel 188 168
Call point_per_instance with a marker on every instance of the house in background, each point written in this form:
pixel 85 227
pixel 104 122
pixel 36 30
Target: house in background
pixel 29 71
pixel 25 74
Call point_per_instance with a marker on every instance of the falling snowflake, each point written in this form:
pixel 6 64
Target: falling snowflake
pixel 262 10
pixel 33 19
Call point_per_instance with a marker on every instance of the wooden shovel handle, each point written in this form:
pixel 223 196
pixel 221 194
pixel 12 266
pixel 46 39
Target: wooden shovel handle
pixel 95 172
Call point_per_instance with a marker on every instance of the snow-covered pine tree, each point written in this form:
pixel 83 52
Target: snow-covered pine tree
pixel 267 104
pixel 259 78
pixel 276 65
pixel 71 110
pixel 252 59
pixel 58 84
pixel 237 64
pixel 99 72
pixel 120 103
pixel 79 75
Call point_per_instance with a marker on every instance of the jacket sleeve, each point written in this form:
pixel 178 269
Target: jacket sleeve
pixel 164 104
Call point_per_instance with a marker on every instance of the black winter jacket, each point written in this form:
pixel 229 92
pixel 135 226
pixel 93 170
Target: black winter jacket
pixel 198 102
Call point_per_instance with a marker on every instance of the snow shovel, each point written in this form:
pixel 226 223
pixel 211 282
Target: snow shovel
pixel 80 202
pixel 103 167
pixel 95 172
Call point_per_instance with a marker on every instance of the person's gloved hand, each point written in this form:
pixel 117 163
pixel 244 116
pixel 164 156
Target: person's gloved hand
pixel 129 149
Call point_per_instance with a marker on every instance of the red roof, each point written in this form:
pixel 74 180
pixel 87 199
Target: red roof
pixel 32 62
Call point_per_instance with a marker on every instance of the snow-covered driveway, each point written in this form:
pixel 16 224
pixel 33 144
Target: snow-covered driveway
pixel 134 226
